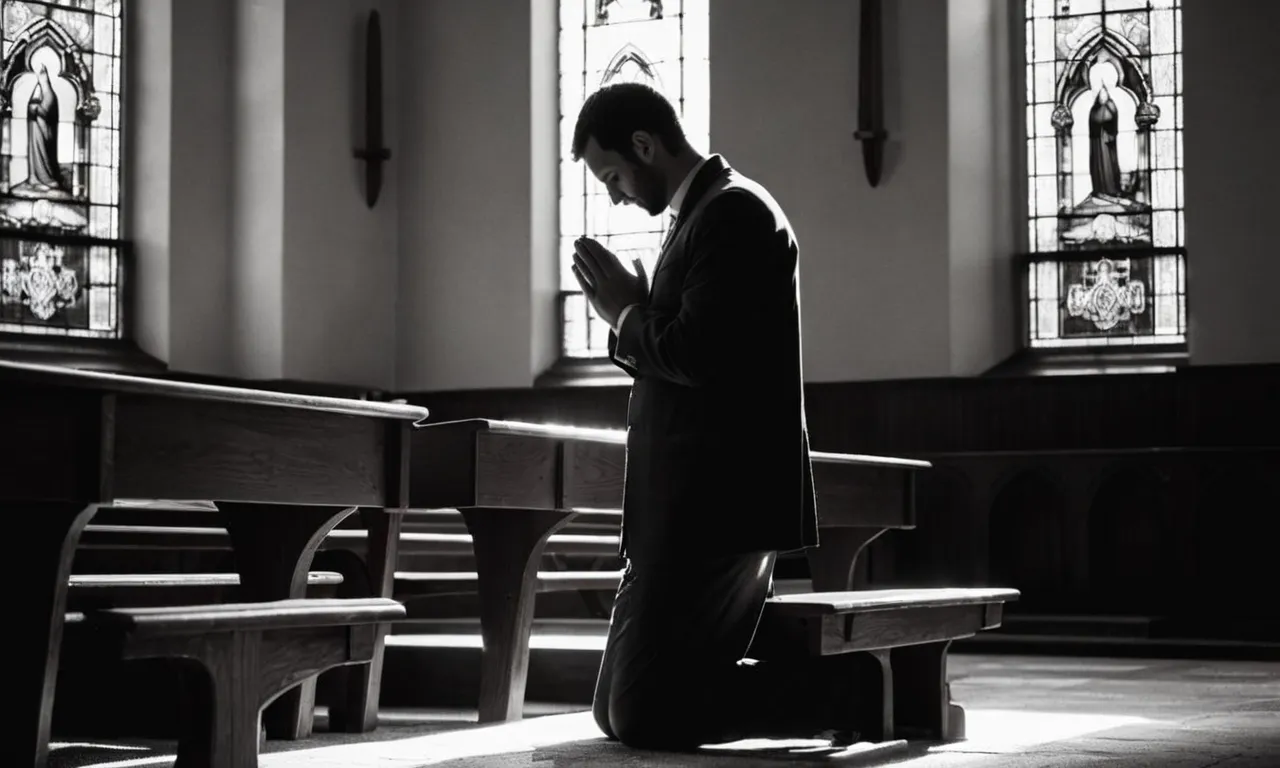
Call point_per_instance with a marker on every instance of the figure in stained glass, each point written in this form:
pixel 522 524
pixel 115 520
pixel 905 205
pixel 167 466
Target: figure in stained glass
pixel 1104 155
pixel 44 172
pixel 48 103
pixel 1104 128
pixel 59 168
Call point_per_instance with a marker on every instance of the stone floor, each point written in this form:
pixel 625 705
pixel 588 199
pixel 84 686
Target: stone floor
pixel 1023 712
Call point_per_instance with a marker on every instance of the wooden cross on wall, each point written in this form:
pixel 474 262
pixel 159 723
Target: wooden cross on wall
pixel 375 153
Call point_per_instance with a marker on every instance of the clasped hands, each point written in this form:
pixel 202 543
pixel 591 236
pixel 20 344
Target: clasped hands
pixel 605 282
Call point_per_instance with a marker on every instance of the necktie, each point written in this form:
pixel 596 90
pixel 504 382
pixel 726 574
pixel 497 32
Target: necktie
pixel 671 230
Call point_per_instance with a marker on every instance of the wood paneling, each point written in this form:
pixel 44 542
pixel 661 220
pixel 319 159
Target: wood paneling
pixel 1046 481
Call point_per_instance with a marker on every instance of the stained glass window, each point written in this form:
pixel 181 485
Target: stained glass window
pixel 1104 158
pixel 60 85
pixel 659 42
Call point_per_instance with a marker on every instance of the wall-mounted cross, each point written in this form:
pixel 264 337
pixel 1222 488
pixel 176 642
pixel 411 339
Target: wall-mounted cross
pixel 374 153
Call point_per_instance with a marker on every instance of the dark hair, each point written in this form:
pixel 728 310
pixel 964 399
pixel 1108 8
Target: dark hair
pixel 616 111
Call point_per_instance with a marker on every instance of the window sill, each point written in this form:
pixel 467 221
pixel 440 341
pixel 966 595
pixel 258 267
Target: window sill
pixel 583 372
pixel 111 356
pixel 1092 363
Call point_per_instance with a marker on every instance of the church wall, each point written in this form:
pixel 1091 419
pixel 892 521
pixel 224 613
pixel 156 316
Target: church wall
pixel 178 179
pixel 450 282
pixel 256 276
pixel 465 282
pixel 1233 272
pixel 981 217
pixel 910 278
pixel 257 255
pixel 339 256
pixel 784 87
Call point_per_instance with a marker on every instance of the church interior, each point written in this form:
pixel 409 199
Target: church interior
pixel 316 454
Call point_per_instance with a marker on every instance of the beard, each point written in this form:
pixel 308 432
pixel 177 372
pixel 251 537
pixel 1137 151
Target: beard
pixel 651 189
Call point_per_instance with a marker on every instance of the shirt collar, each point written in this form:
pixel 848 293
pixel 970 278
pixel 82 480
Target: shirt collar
pixel 678 198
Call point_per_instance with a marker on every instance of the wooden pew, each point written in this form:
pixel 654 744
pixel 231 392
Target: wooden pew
pixel 532 479
pixel 516 484
pixel 904 633
pixel 245 655
pixel 284 470
pixel 100 591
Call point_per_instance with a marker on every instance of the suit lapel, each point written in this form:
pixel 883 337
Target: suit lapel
pixel 707 174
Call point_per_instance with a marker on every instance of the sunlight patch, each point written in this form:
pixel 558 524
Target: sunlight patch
pixel 999 730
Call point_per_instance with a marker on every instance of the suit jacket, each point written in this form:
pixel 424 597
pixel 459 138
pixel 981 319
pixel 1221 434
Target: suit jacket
pixel 717 445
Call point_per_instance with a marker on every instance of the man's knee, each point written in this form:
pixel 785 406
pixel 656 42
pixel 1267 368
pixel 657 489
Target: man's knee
pixel 644 722
pixel 600 711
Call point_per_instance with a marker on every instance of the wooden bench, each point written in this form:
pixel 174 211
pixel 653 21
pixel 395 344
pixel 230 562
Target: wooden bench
pixel 517 484
pixel 243 656
pixel 282 469
pixel 903 633
pixel 411 585
pixel 98 591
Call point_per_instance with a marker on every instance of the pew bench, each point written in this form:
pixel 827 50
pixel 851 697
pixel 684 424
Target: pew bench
pixel 902 635
pixel 241 657
pixel 411 585
pixel 99 591
pixel 412 542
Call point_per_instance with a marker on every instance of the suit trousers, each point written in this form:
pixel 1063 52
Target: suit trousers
pixel 674 674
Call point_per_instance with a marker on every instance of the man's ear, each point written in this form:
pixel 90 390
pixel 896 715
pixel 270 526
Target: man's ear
pixel 642 142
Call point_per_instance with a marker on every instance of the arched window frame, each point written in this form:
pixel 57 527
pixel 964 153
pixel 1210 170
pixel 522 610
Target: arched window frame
pixel 63 264
pixel 664 43
pixel 1103 273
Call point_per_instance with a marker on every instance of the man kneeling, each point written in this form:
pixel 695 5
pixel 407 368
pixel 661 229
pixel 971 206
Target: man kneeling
pixel 718 478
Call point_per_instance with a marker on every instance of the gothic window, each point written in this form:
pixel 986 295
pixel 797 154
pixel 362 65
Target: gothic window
pixel 60 84
pixel 1104 159
pixel 659 42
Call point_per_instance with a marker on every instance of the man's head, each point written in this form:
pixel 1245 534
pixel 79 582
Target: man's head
pixel 631 140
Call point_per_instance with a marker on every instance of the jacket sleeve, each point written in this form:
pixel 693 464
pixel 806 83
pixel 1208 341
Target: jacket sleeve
pixel 734 281
pixel 613 349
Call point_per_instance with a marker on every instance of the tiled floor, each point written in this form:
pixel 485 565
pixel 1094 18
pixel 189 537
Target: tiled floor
pixel 1023 712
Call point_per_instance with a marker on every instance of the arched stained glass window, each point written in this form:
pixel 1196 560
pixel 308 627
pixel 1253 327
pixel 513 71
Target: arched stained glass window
pixel 659 42
pixel 1104 157
pixel 60 158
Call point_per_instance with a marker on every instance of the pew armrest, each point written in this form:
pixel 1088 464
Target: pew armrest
pixel 241 617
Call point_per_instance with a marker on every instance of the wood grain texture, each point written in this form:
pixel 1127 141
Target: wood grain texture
pixel 516 471
pixel 507 550
pixel 593 475
pixel 900 639
pixel 242 656
pixel 863 495
pixel 50 376
pixel 286 468
pixel 230 452
pixel 1194 443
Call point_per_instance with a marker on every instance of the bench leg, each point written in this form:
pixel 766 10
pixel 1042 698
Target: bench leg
pixel 922 705
pixel 221 726
pixel 273 549
pixel 873 684
pixel 831 563
pixel 43 566
pixel 508 546
pixel 355 705
pixel 235 674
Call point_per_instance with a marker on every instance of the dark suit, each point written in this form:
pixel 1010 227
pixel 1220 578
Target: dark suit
pixel 718 478
pixel 717 448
